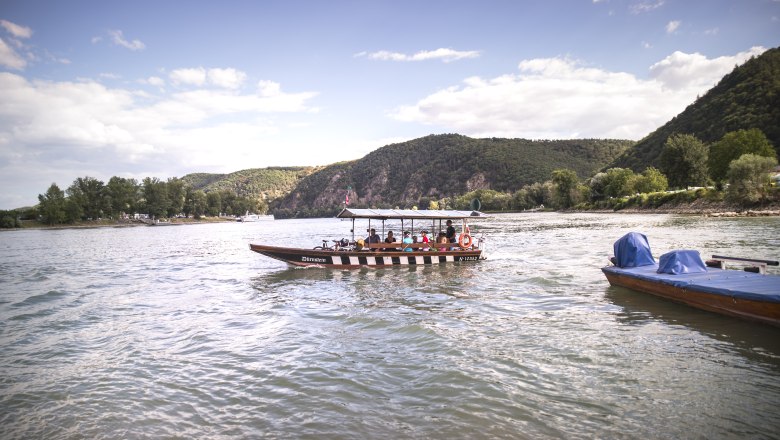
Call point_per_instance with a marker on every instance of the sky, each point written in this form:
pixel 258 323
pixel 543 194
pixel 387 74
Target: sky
pixel 166 88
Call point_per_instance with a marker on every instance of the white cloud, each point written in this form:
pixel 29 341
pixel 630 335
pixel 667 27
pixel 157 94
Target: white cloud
pixel 672 26
pixel 154 81
pixel 681 71
pixel 446 55
pixel 68 129
pixel 226 78
pixel 645 6
pixel 16 30
pixel 198 76
pixel 9 58
pixel 192 76
pixel 560 98
pixel 268 88
pixel 118 38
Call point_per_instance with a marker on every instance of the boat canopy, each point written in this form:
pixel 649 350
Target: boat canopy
pixel 405 214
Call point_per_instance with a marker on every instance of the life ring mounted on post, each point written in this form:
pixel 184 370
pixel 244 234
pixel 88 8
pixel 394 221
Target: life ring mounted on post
pixel 465 240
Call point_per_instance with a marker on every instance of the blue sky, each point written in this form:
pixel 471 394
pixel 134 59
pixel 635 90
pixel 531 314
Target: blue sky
pixel 166 88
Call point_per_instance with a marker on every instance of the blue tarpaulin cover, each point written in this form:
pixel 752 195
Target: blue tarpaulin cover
pixel 681 261
pixel 633 250
pixel 732 283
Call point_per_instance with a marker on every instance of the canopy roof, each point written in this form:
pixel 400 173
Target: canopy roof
pixel 384 214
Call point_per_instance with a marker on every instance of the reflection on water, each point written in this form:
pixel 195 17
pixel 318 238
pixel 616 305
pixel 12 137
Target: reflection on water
pixel 750 339
pixel 183 332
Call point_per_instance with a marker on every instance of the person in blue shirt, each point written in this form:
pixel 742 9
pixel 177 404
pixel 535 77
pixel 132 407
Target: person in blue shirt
pixel 373 237
pixel 407 240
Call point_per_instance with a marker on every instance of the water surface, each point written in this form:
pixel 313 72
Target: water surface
pixel 181 331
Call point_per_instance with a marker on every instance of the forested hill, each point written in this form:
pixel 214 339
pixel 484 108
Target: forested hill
pixel 256 183
pixel 748 97
pixel 440 166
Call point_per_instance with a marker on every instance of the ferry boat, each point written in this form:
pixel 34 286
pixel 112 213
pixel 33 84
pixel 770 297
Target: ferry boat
pixel 682 276
pixel 356 253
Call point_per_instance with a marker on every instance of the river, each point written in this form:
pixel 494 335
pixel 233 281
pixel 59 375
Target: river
pixel 182 332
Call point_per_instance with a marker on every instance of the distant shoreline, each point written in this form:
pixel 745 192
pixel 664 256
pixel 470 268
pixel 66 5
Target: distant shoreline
pixel 704 211
pixel 31 224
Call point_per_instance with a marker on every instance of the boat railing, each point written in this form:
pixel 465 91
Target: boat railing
pixel 748 264
pixel 417 246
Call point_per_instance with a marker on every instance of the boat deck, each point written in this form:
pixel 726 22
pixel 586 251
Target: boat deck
pixel 731 283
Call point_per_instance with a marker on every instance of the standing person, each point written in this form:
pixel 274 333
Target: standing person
pixel 450 232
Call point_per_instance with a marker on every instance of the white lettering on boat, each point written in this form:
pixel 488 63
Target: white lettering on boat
pixel 313 260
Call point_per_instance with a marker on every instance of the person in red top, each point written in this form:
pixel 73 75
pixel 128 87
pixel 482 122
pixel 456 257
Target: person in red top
pixel 424 239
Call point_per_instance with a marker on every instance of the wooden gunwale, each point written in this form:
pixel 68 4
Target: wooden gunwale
pixel 760 311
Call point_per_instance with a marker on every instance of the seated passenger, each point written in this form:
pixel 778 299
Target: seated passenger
pixel 373 237
pixel 407 240
pixel 424 239
pixel 441 240
pixel 390 239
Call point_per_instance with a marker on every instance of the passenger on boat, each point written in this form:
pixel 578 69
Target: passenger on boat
pixel 373 237
pixel 390 239
pixel 442 238
pixel 407 240
pixel 450 232
pixel 424 239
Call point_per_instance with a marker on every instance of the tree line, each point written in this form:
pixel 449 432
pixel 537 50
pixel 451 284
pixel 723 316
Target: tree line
pixel 88 198
pixel 737 168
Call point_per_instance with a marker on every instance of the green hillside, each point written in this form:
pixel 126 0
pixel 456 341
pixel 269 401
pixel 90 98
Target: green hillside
pixel 748 97
pixel 256 183
pixel 440 166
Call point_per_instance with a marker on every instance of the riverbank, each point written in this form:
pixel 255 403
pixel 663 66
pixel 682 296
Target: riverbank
pixel 111 223
pixel 707 208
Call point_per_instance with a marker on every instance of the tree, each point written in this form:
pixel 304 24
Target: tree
pixel 9 219
pixel 214 203
pixel 749 178
pixel 176 195
pixel 123 194
pixel 155 194
pixel 89 195
pixel 618 182
pixel 652 180
pixel 195 203
pixel 735 144
pixel 684 161
pixel 52 205
pixel 566 184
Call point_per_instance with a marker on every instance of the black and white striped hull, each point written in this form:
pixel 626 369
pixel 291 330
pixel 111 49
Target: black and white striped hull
pixel 356 259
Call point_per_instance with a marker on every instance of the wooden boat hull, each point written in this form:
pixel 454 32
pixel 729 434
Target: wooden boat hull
pixel 753 297
pixel 366 258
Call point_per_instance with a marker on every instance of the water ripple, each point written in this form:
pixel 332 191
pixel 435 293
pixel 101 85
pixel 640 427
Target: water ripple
pixel 184 333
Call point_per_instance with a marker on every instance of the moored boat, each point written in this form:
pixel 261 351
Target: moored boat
pixel 355 253
pixel 246 218
pixel 682 276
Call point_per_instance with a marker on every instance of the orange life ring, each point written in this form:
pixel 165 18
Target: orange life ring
pixel 465 240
